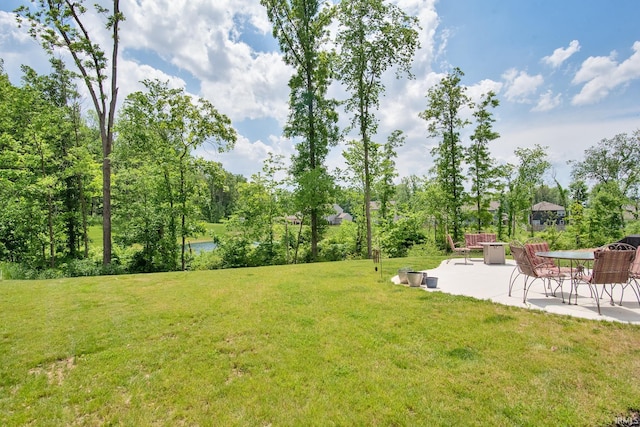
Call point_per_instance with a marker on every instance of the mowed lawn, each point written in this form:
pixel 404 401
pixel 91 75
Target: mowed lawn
pixel 313 345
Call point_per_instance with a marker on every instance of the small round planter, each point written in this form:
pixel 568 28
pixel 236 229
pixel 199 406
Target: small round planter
pixel 402 275
pixel 432 282
pixel 415 278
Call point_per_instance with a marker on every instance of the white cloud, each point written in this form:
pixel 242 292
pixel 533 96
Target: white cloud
pixel 561 54
pixel 137 72
pixel 602 74
pixel 476 91
pixel 520 85
pixel 16 45
pixel 548 102
pixel 198 36
pixel 566 139
pixel 257 89
pixel 206 39
pixel 247 157
pixel 425 11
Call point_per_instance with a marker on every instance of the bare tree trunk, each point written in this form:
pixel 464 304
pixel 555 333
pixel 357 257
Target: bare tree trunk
pixel 295 255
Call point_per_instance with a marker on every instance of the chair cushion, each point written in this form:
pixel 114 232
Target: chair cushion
pixel 532 248
pixel 473 240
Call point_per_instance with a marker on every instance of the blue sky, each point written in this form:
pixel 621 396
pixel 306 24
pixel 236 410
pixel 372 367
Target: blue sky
pixel 567 73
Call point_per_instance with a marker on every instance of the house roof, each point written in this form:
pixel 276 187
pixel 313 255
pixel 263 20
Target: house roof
pixel 546 206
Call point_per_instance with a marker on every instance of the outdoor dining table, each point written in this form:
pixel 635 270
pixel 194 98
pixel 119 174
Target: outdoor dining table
pixel 577 263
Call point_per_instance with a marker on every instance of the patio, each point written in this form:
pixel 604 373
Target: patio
pixel 491 282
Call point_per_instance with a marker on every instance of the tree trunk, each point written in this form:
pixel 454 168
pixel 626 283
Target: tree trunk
pixel 85 228
pixel 295 254
pixel 106 205
pixel 52 243
pixel 182 214
pixel 367 175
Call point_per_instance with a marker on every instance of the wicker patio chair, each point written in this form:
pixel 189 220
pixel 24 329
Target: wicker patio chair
pixel 535 245
pixel 457 250
pixel 634 277
pixel 611 266
pixel 533 272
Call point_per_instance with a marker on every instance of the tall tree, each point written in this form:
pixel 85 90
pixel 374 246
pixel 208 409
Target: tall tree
pixel 32 169
pixel 606 222
pixel 63 24
pixel 382 170
pixel 532 166
pixel 301 28
pixel 484 175
pixel 220 192
pixel 77 165
pixel 579 192
pixel 445 103
pixel 159 131
pixel 373 37
pixel 355 179
pixel 260 207
pixel 614 160
pixel 384 187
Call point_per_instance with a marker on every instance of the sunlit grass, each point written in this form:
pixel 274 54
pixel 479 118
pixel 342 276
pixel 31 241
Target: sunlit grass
pixel 94 232
pixel 211 229
pixel 315 344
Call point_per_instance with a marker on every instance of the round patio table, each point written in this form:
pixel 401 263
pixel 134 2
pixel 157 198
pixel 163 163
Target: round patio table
pixel 577 260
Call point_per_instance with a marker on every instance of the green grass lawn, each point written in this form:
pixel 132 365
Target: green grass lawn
pixel 315 344
pixel 95 234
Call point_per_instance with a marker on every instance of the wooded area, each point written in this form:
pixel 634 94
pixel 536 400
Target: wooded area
pixel 136 172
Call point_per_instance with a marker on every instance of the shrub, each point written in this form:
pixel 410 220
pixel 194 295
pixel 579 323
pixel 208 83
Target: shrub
pixel 81 267
pixel 206 260
pixel 397 237
pixel 235 251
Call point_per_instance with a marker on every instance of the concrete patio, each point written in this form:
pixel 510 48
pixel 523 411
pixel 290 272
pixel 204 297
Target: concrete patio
pixel 491 282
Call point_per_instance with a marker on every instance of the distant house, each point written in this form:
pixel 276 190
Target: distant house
pixel 339 216
pixel 294 219
pixel 544 213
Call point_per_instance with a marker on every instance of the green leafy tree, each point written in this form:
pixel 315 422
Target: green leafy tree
pixel 429 201
pixel 614 160
pixel 13 176
pixel 219 194
pixel 532 166
pixel 36 137
pixel 397 237
pixel 43 137
pixel 579 191
pixel 77 165
pixel 578 224
pixel 159 130
pixel 383 185
pixel 373 37
pixel 510 198
pixel 260 207
pixel 61 24
pixel 446 102
pixel 301 28
pixel 606 222
pixel 355 179
pixel 382 170
pixel 408 187
pixel 482 171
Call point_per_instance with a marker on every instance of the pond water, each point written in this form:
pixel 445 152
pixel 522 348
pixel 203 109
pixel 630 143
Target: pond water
pixel 198 247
